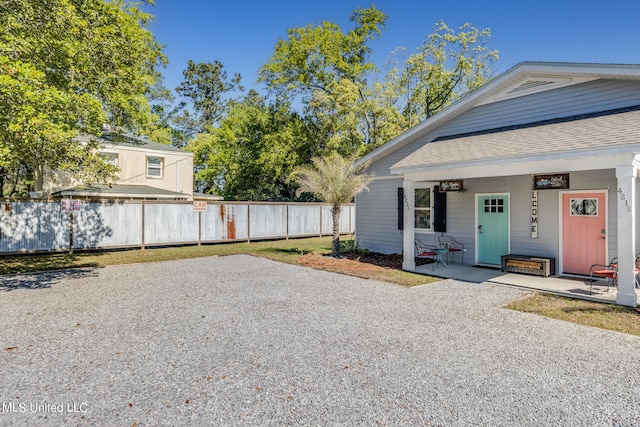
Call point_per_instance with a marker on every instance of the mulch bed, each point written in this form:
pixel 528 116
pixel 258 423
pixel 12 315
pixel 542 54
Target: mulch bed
pixel 354 261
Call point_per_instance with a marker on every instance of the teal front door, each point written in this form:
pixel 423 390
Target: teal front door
pixel 492 228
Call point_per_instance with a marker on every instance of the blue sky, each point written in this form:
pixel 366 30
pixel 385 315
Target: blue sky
pixel 242 34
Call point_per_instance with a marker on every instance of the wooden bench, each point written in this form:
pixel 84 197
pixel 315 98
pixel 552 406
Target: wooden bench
pixel 539 266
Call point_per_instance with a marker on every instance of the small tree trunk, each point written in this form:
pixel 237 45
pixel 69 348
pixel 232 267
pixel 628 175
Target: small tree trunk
pixel 335 247
pixel 39 177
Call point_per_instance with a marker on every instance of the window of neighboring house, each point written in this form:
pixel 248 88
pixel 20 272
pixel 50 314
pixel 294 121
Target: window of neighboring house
pixel 110 158
pixel 423 209
pixel 154 167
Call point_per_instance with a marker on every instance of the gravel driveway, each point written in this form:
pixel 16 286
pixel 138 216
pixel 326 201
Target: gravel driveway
pixel 245 341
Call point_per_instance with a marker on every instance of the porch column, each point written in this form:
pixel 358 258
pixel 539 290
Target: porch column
pixel 408 256
pixel 626 196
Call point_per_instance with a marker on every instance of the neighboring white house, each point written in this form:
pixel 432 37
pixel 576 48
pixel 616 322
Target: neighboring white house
pixel 148 170
pixel 571 130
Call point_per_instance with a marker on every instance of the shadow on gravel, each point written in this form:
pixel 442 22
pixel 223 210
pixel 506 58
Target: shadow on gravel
pixel 43 280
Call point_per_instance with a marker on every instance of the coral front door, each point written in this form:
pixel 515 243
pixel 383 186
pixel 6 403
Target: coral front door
pixel 583 231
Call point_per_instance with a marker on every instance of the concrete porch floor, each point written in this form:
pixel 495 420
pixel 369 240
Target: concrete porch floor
pixel 574 287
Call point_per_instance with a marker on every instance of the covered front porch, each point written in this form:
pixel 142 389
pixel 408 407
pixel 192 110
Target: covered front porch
pixel 502 206
pixel 568 286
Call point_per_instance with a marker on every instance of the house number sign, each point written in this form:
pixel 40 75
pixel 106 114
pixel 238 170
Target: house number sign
pixel 534 214
pixel 624 198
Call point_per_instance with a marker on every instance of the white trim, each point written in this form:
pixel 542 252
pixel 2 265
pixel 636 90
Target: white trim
pixel 561 193
pixel 162 165
pixel 408 234
pixel 118 147
pixel 422 185
pixel 522 166
pixel 475 228
pixel 386 178
pixel 599 158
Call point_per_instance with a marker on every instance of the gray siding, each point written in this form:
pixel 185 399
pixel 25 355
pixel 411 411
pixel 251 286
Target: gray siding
pixel 377 217
pixel 519 188
pixel 377 211
pixel 378 232
pixel 598 95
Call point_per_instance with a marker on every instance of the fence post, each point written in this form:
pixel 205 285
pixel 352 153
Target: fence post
pixel 199 228
pixel 248 222
pixel 351 208
pixel 320 220
pixel 70 232
pixel 287 221
pixel 143 225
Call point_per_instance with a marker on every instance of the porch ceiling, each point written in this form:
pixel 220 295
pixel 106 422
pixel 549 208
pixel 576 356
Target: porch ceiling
pixel 592 138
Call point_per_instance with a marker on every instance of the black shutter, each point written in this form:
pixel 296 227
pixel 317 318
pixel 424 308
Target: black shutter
pixel 400 208
pixel 439 210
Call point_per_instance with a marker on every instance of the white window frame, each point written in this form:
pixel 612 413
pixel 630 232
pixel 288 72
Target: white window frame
pixel 110 157
pixel 429 209
pixel 160 168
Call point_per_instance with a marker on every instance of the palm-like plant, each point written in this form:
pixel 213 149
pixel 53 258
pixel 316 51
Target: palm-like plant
pixel 335 180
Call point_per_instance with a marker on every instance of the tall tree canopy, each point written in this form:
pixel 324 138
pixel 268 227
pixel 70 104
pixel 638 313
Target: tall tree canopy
pixel 252 153
pixel 315 58
pixel 448 65
pixel 205 86
pixel 328 68
pixel 68 66
pixel 331 72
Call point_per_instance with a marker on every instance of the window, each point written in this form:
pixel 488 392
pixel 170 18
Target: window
pixel 423 209
pixel 584 207
pixel 110 158
pixel 154 167
pixel 494 205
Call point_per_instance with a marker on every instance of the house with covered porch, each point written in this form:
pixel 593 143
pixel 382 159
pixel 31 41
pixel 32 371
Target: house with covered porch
pixel 541 161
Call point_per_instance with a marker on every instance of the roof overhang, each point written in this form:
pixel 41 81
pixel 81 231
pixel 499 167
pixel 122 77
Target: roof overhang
pixel 536 164
pixel 585 142
pixel 517 81
pixel 121 192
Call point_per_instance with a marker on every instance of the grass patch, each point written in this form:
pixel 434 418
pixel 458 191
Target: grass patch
pixel 596 314
pixel 283 250
pixel 288 251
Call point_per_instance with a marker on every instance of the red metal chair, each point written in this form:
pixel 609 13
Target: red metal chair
pixel 424 251
pixel 609 271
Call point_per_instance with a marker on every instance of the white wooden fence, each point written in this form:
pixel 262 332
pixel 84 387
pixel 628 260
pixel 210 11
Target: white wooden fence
pixel 28 226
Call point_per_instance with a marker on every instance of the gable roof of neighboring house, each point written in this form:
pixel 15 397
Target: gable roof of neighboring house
pixel 124 140
pixel 603 130
pixel 121 191
pixel 523 79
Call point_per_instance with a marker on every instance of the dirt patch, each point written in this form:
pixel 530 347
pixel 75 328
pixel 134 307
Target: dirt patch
pixel 355 262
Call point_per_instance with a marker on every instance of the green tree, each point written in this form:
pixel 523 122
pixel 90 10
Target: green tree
pixel 68 66
pixel 448 65
pixel 205 86
pixel 327 69
pixel 161 101
pixel 252 153
pixel 335 180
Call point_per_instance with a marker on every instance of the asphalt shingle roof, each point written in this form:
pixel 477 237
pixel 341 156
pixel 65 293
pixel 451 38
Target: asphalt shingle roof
pixel 588 131
pixel 130 141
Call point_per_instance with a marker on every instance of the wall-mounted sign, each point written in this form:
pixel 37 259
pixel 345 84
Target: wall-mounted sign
pixel 534 214
pixel 199 206
pixel 556 181
pixel 70 205
pixel 451 185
